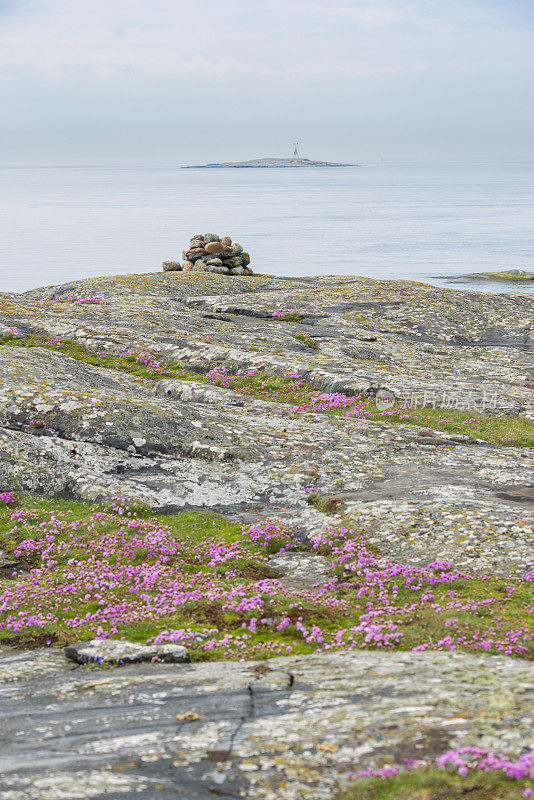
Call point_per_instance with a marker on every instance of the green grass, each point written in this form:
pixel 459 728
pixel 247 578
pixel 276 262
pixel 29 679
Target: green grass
pixel 496 429
pixel 328 504
pixel 289 316
pixel 500 429
pixel 307 340
pixel 121 363
pixel 437 784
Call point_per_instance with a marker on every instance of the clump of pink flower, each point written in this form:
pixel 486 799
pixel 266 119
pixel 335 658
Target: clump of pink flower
pixel 464 761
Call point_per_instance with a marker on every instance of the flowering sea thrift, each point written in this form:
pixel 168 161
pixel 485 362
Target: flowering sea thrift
pixel 11 333
pixel 114 570
pixel 463 762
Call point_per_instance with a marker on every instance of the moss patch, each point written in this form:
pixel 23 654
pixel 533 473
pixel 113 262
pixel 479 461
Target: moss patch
pixel 307 340
pixel 436 784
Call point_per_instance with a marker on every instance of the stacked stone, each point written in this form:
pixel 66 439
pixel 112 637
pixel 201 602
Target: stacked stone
pixel 209 253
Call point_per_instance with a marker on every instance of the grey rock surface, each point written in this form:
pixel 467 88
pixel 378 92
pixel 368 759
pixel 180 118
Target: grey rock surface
pixel 302 570
pixel 182 444
pixel 287 729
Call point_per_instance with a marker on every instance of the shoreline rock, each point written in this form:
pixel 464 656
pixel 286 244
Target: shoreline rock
pixel 506 275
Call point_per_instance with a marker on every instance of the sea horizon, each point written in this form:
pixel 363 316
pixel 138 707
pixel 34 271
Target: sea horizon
pixel 429 221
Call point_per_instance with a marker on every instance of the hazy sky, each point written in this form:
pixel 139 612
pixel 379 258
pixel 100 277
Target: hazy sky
pixel 180 81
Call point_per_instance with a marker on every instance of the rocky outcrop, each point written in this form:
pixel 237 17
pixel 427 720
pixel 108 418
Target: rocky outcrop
pixel 505 275
pixel 292 727
pixel 183 444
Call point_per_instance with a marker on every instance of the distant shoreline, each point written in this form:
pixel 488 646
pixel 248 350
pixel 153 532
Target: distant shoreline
pixel 270 163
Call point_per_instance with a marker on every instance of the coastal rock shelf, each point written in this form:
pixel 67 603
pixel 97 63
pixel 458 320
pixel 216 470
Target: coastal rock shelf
pixel 191 439
pixel 209 253
pixel 290 729
pixel 185 444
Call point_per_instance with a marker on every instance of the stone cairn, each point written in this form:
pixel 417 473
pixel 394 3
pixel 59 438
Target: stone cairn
pixel 209 253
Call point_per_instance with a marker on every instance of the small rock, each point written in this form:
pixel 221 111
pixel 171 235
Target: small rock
pixel 226 240
pixel 236 261
pixel 215 247
pixel 196 255
pixel 237 249
pixel 215 262
pixel 247 271
pixel 6 562
pixel 188 266
pixel 199 266
pixel 237 271
pixel 114 651
pixel 211 237
pixel 245 259
pixel 218 270
pixel 171 266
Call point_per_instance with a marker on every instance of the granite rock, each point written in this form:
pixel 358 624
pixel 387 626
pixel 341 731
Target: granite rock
pixel 214 247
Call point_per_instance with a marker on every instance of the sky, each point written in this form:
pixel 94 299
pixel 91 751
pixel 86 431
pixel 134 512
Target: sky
pixel 189 81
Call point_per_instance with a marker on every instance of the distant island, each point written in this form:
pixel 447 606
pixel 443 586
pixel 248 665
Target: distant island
pixel 270 163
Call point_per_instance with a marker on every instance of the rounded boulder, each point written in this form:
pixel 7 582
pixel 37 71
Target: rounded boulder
pixel 214 247
pixel 218 270
pixel 196 255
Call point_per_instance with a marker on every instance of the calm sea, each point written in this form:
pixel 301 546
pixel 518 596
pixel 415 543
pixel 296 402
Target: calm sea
pixel 427 222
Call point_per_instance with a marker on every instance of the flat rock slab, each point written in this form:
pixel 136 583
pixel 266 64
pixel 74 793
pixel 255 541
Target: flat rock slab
pixel 112 651
pixel 286 729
